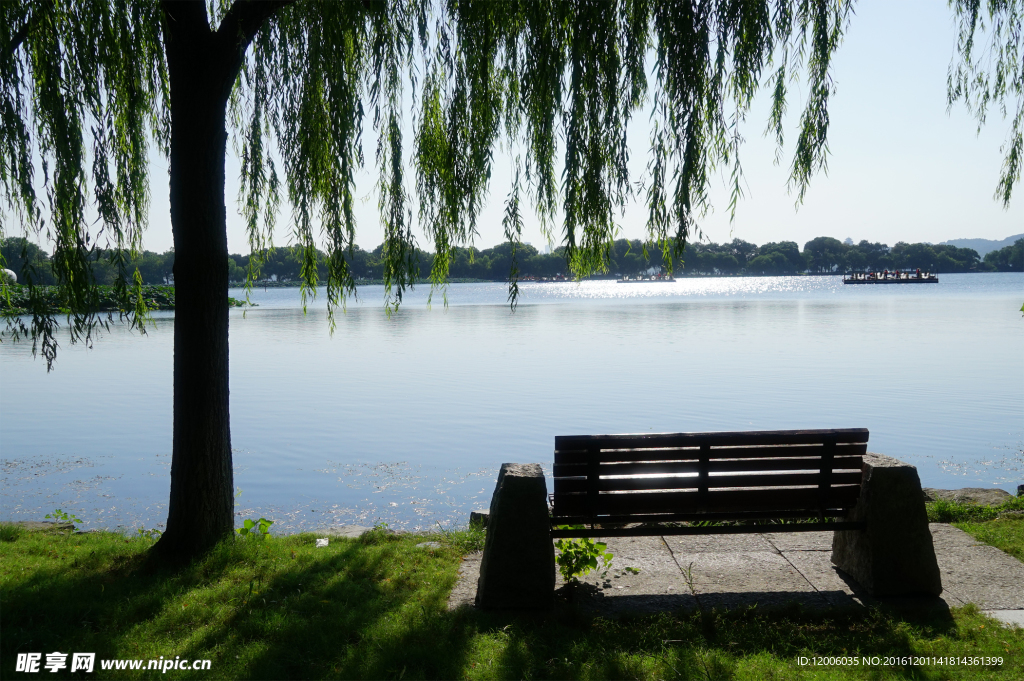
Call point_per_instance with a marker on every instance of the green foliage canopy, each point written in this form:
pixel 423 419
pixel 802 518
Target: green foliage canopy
pixel 85 89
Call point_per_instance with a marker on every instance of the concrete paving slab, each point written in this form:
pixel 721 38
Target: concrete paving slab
pixel 951 599
pixel 1009 618
pixel 985 576
pixel 775 569
pixel 800 541
pixel 817 568
pixel 973 572
pixel 840 590
pixel 658 586
pixel 649 555
pixel 736 579
pixel 718 543
pixel 947 538
pixel 464 592
pixel 743 571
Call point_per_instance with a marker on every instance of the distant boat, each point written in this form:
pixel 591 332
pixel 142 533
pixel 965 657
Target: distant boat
pixel 893 277
pixel 646 279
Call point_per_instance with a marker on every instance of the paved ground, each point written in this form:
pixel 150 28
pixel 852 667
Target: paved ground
pixel 773 570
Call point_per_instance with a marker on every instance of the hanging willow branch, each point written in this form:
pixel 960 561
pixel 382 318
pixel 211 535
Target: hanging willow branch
pixel 993 76
pixel 85 93
pixel 82 89
pixel 576 73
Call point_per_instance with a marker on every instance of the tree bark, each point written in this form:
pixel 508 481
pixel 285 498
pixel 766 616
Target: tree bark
pixel 200 511
pixel 202 66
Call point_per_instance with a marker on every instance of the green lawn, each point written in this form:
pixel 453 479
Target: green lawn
pixel 376 608
pixel 1004 534
pixel 1001 526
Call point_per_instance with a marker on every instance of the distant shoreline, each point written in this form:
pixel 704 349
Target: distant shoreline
pixel 161 297
pixel 155 298
pixel 463 280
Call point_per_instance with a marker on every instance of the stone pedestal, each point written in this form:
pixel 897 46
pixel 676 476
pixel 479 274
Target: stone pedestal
pixel 479 517
pixel 894 556
pixel 518 566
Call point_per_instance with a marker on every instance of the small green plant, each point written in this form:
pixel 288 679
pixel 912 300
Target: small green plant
pixel 578 557
pixel 151 535
pixel 61 517
pixel 631 570
pixel 255 529
pixel 690 582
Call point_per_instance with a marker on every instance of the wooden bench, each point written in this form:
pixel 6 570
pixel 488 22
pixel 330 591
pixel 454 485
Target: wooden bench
pixel 752 479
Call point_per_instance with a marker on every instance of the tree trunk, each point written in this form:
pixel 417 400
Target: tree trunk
pixel 200 512
pixel 202 66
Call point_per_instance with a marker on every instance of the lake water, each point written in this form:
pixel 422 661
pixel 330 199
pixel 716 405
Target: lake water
pixel 406 419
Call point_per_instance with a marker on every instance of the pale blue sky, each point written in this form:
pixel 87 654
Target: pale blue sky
pixel 900 168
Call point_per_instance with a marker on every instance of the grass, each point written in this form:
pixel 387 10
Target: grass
pixel 994 525
pixel 1004 534
pixel 376 608
pixel 963 512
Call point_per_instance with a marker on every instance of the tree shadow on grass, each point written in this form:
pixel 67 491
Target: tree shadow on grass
pixel 355 624
pixel 380 612
pixel 572 643
pixel 349 614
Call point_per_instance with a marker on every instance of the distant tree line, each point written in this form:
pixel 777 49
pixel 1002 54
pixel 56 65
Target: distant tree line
pixel 738 257
pixel 1007 259
pixel 826 254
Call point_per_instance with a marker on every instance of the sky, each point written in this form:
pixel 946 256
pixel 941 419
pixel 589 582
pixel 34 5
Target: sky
pixel 901 168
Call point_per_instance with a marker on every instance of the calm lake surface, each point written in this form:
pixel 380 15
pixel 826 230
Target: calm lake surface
pixel 406 419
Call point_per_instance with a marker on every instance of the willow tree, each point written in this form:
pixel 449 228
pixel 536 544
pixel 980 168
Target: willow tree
pixel 992 76
pixel 91 87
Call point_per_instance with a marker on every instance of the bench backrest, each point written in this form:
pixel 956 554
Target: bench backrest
pixel 706 476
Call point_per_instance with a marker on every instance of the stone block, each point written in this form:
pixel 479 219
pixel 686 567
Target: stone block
pixel 518 566
pixel 895 555
pixel 479 517
pixel 985 496
pixel 350 531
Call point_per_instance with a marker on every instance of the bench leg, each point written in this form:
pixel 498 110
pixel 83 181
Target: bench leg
pixel 518 566
pixel 894 556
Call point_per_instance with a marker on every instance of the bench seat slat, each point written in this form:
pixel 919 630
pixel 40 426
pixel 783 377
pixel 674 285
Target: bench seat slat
pixel 567 470
pixel 748 499
pixel 642 453
pixel 754 478
pixel 581 485
pixel 715 439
